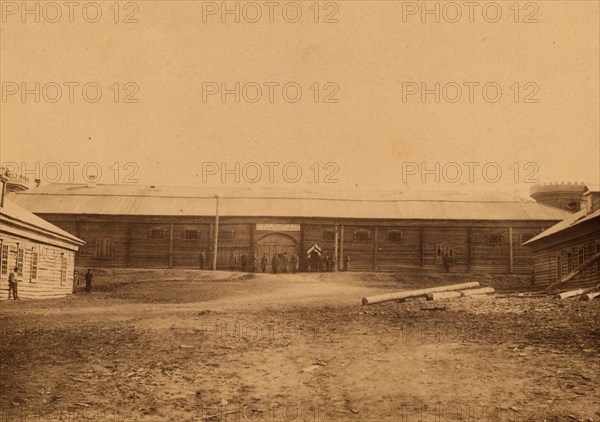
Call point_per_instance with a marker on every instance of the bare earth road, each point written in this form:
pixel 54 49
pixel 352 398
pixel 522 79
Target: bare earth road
pixel 192 345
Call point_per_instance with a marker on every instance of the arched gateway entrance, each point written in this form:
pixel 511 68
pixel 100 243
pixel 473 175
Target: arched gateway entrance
pixel 276 243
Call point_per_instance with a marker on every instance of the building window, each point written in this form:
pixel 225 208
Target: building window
pixel 328 235
pixel 558 267
pixel 362 235
pixel 191 234
pixel 569 262
pixel 580 259
pixel 34 265
pixel 227 235
pixel 394 236
pixel 441 250
pixel 4 259
pixel 63 270
pixel 495 238
pixel 104 248
pixel 20 256
pixel 158 233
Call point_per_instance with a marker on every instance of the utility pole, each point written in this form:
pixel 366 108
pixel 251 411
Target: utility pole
pixel 336 258
pixel 216 238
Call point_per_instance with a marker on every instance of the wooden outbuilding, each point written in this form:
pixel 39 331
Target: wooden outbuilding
pixel 43 254
pixel 568 253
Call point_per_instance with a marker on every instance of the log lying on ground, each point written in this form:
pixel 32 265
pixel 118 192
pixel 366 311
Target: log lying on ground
pixel 416 293
pixel 571 293
pixel 443 295
pixel 474 292
pixel 459 293
pixel 590 296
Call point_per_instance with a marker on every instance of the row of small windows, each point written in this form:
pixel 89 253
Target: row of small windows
pixel 362 235
pixel 574 258
pixel 5 250
pixel 158 233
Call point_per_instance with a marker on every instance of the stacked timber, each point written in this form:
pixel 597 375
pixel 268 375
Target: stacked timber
pixel 433 293
pixel 584 294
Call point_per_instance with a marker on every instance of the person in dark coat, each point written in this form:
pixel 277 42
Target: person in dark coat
pixel 284 262
pixel 89 276
pixel 244 262
pixel 294 263
pixel 346 262
pixel 275 264
pixel 253 262
pixel 202 259
pixel 12 284
pixel 264 262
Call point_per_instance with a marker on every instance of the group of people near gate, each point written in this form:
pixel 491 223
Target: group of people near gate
pixel 284 263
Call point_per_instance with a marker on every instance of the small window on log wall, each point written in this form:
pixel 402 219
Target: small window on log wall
pixel 34 265
pixel 158 233
pixel 20 256
pixel 558 267
pixel 191 234
pixel 104 248
pixel 580 259
pixel 394 236
pixel 227 235
pixel 4 259
pixel 63 270
pixel 328 235
pixel 495 238
pixel 362 236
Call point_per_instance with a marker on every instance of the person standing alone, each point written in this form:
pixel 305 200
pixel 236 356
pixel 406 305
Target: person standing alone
pixel 12 284
pixel 88 280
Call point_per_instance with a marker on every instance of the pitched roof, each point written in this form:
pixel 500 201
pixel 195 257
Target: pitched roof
pixel 573 220
pixel 13 215
pixel 200 201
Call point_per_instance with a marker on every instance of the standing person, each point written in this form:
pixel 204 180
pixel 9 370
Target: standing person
pixel 244 262
pixel 89 276
pixel 346 262
pixel 284 262
pixel 232 261
pixel 202 259
pixel 253 261
pixel 12 284
pixel 294 263
pixel 275 263
pixel 264 262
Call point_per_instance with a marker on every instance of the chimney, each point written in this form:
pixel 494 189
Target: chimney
pixel 591 200
pixel 3 180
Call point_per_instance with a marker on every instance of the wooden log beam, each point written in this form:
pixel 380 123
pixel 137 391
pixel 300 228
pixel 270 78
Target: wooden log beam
pixel 416 293
pixel 475 292
pixel 572 293
pixel 443 295
pixel 459 293
pixel 590 296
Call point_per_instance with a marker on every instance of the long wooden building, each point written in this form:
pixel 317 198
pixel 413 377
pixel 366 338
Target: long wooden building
pixel 570 250
pixel 173 227
pixel 43 254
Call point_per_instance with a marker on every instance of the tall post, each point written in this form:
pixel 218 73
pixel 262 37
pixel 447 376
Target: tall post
pixel 341 262
pixel 336 258
pixel 171 245
pixel 510 249
pixel 375 249
pixel 216 235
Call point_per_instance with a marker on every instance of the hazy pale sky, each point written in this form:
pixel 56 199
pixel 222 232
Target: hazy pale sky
pixel 365 61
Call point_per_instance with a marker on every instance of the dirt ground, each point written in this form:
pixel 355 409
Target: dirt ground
pixel 201 346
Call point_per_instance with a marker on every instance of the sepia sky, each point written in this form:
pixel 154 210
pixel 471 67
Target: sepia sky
pixel 371 133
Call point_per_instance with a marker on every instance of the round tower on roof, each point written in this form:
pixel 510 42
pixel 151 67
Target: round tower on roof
pixel 566 196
